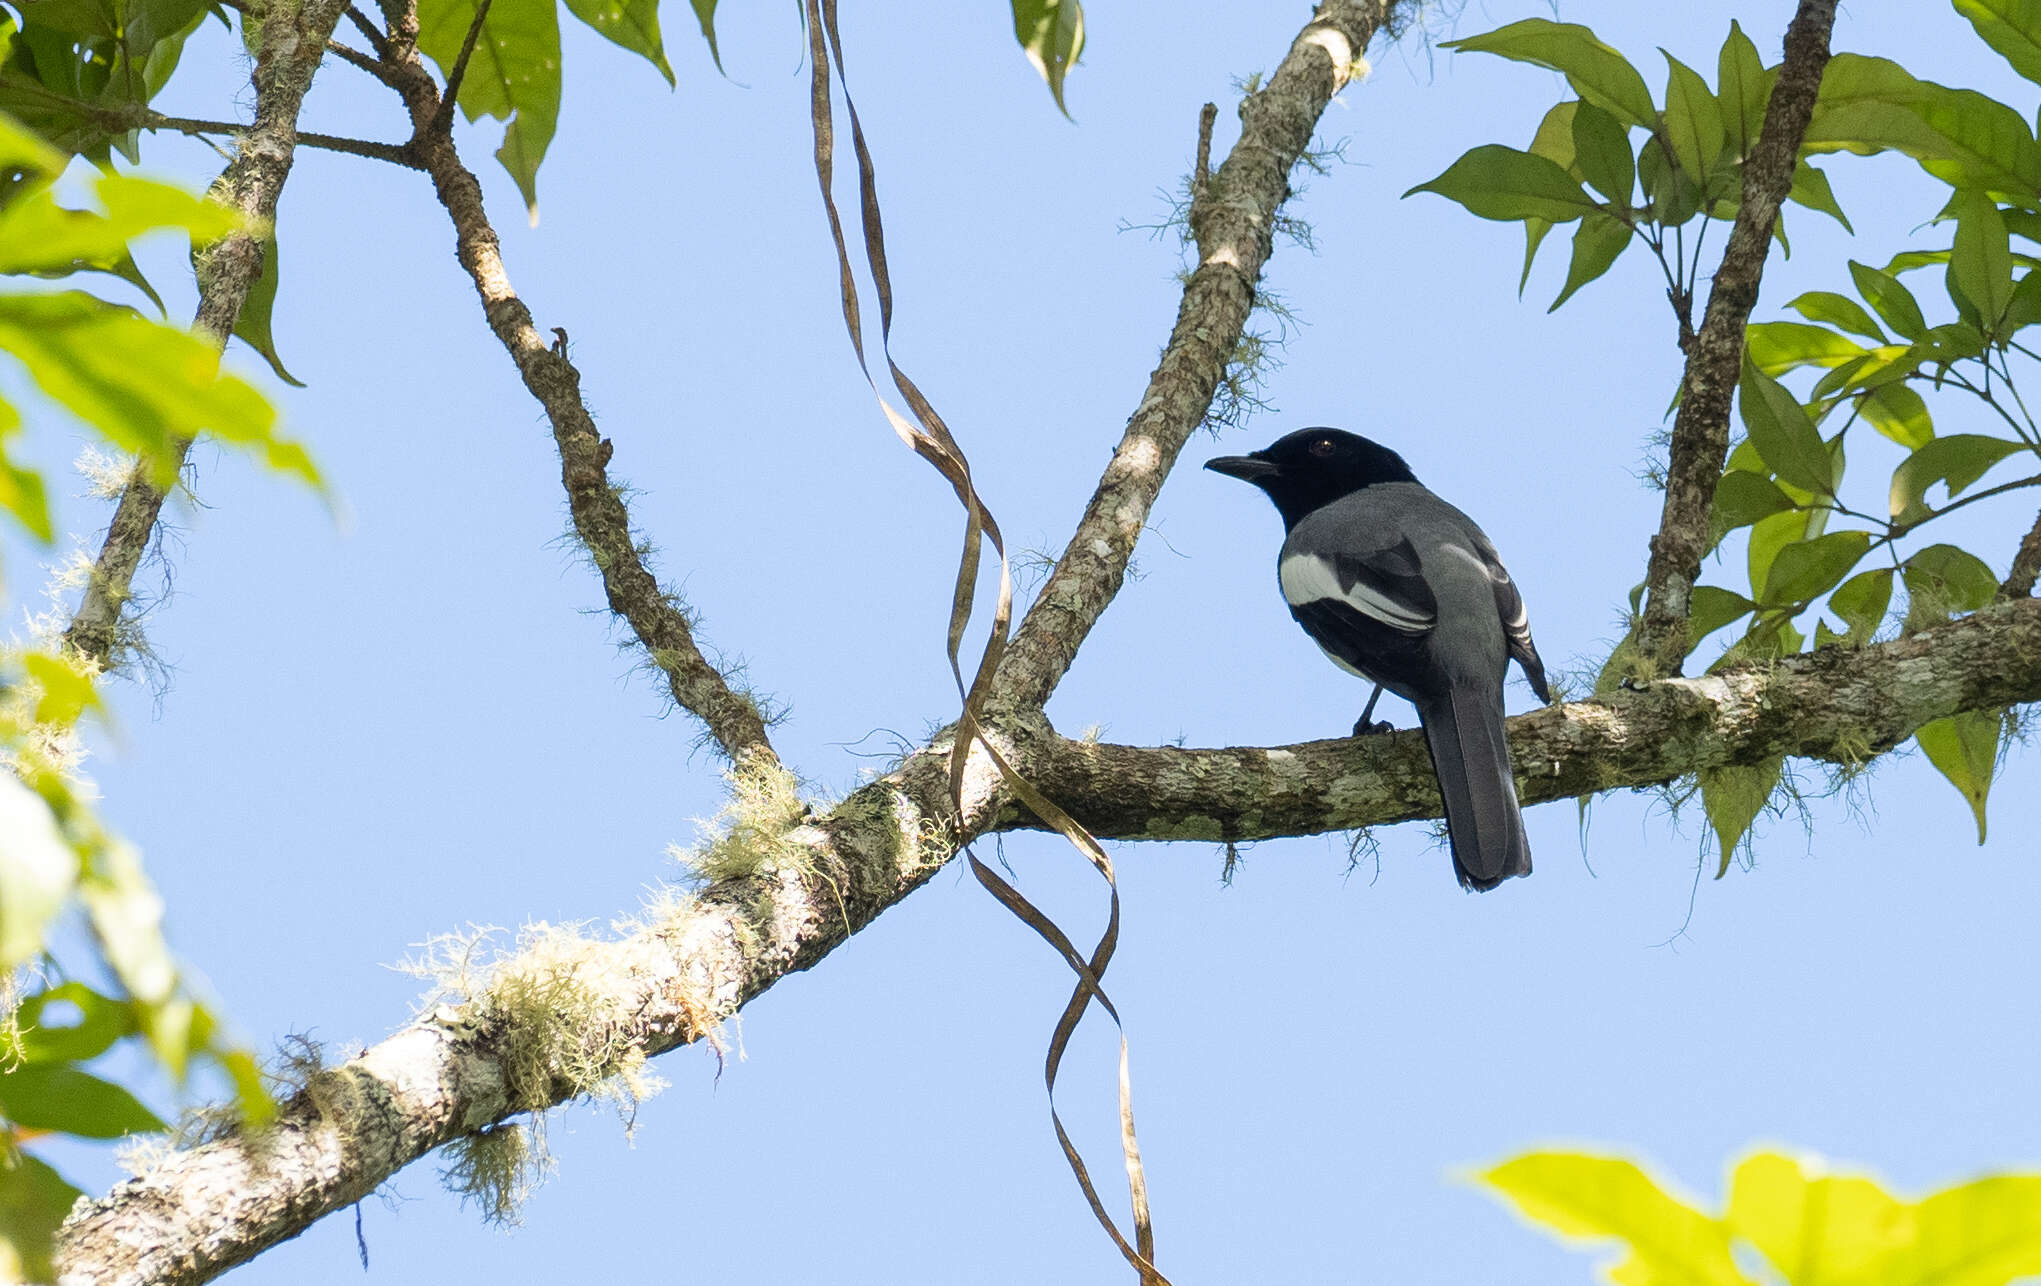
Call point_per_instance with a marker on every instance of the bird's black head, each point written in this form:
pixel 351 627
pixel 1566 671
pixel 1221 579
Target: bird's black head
pixel 1305 470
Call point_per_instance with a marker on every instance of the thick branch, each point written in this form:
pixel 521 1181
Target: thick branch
pixel 2019 582
pixel 601 520
pixel 1838 704
pixel 1231 221
pixel 1700 436
pixel 294 38
pixel 203 1210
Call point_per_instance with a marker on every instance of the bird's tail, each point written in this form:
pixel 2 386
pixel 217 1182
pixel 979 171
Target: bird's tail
pixel 1463 728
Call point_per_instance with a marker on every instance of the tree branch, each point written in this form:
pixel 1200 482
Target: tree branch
pixel 1232 222
pixel 689 964
pixel 1838 704
pixel 2019 582
pixel 1700 436
pixel 601 519
pixel 294 38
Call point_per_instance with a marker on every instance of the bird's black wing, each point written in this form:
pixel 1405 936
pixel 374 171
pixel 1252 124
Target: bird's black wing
pixel 1516 620
pixel 1370 611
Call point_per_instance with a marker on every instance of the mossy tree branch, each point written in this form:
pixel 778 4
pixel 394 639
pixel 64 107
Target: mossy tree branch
pixel 1232 220
pixel 294 37
pixel 1700 435
pixel 601 519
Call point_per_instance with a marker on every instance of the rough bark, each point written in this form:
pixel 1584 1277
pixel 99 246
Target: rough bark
pixel 2019 582
pixel 1842 705
pixel 203 1210
pixel 1232 221
pixel 294 39
pixel 1700 436
pixel 601 520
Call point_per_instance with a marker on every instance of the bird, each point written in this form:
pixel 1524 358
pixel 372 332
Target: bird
pixel 1402 589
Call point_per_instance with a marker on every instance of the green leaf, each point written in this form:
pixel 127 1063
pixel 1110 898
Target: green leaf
pixel 1804 571
pixel 37 871
pixel 38 235
pixel 1497 182
pixel 1839 311
pixel 1534 236
pixel 1960 136
pixel 1888 364
pixel 1977 1234
pixel 1674 197
pixel 34 1199
pixel 634 25
pixel 1811 189
pixel 57 1096
pixel 252 326
pixel 1733 795
pixel 1693 121
pixel 65 688
pixel 1554 138
pixel 1597 73
pixel 102 1020
pixel 1601 149
pixel 1981 261
pixel 1768 536
pixel 1959 459
pixel 1785 438
pixel 1711 608
pixel 1596 244
pixel 1861 602
pixel 141 384
pixel 2012 27
pixel 1964 749
pixel 513 76
pixel 1052 33
pixel 705 16
pixel 2025 308
pixel 21 489
pixel 127 916
pixel 1574 1195
pixel 1778 347
pixel 1941 580
pixel 1742 498
pixel 1892 301
pixel 1745 87
pixel 1899 413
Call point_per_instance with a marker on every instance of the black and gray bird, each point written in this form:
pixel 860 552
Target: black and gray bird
pixel 1402 589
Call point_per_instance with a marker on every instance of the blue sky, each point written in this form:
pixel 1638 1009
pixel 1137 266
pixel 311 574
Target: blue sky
pixel 414 719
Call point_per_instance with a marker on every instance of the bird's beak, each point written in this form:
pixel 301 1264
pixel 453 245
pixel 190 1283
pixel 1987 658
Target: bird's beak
pixel 1247 468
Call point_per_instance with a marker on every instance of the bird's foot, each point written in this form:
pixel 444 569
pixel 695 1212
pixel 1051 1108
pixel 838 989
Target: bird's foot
pixel 1362 728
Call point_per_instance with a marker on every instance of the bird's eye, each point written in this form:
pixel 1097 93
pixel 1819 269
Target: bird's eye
pixel 1322 448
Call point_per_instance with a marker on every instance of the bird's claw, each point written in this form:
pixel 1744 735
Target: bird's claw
pixel 1363 728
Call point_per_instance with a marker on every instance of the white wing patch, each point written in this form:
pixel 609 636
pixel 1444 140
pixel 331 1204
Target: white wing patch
pixel 1307 578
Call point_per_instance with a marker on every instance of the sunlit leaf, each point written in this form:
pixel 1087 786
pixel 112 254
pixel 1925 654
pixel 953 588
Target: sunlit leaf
pixel 1597 72
pixel 1959 459
pixel 1665 1241
pixel 1052 33
pixel 1742 498
pixel 37 234
pixel 252 324
pixel 1964 749
pixel 1960 136
pixel 1693 121
pixel 1839 311
pixel 1674 197
pixel 2012 27
pixel 1768 536
pixel 1835 1226
pixel 37 871
pixel 1941 580
pixel 1711 608
pixel 1811 189
pixel 1778 347
pixel 66 688
pixel 1899 413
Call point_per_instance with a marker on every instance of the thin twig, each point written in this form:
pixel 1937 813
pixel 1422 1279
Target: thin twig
pixel 370 32
pixel 359 59
pixel 443 118
pixel 1700 437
